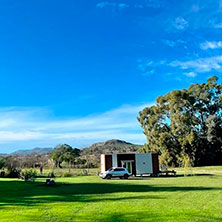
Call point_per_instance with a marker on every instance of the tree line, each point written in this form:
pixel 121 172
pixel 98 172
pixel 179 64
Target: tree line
pixel 63 156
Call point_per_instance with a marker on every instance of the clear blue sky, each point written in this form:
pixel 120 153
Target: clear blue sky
pixel 78 72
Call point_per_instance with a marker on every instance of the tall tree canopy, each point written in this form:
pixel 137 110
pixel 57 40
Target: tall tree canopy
pixel 65 153
pixel 186 124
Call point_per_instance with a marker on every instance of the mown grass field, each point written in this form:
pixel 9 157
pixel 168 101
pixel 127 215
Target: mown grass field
pixel 89 198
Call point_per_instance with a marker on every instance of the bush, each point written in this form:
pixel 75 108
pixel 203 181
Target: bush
pixel 85 172
pixel 66 174
pixel 13 173
pixel 29 175
pixel 51 175
pixel 2 173
pixel 2 162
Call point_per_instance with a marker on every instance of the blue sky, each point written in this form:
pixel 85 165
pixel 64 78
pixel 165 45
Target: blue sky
pixel 78 72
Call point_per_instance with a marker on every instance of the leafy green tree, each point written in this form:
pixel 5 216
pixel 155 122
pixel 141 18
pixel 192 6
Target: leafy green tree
pixel 2 162
pixel 186 124
pixel 214 129
pixel 65 153
pixel 13 166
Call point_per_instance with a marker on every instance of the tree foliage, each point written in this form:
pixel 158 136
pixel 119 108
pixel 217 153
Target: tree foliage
pixel 2 162
pixel 29 175
pixel 186 124
pixel 65 153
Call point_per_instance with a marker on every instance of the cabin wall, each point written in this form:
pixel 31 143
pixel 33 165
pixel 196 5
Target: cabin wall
pixel 144 163
pixel 114 160
pixel 155 161
pixel 102 163
pixel 108 162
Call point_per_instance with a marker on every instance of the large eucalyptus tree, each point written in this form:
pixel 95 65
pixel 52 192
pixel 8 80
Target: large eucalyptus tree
pixel 186 124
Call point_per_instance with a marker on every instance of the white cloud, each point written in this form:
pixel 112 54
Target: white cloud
pixel 211 45
pixel 172 43
pixel 218 25
pixel 172 24
pixel 148 67
pixel 143 65
pixel 169 42
pixel 190 74
pixel 140 5
pixel 36 126
pixel 150 4
pixel 200 65
pixel 189 68
pixel 180 23
pixel 195 8
pixel 6 136
pixel 112 4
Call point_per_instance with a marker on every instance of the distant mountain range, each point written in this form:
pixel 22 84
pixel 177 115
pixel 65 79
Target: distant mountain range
pixel 3 154
pixel 109 146
pixel 37 151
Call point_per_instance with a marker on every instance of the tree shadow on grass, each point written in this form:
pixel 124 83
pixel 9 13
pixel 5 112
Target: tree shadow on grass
pixel 196 175
pixel 146 177
pixel 29 194
pixel 149 216
pixel 129 216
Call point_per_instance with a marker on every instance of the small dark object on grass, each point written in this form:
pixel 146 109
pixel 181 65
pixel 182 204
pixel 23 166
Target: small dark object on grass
pixel 50 182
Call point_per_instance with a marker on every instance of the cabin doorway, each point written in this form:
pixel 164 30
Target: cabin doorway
pixel 128 165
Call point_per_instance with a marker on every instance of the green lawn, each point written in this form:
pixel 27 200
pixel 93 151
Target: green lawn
pixel 89 198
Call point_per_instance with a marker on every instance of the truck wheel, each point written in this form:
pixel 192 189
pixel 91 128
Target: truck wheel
pixel 125 176
pixel 108 177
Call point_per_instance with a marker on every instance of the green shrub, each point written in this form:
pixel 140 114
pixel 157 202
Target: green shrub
pixel 2 162
pixel 51 175
pixel 85 172
pixel 66 174
pixel 2 173
pixel 13 173
pixel 29 175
